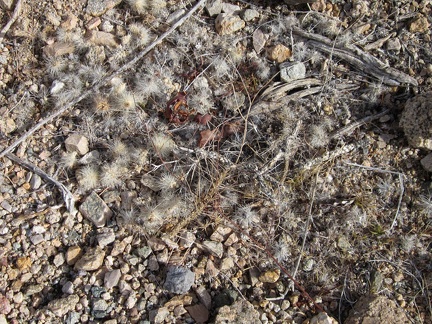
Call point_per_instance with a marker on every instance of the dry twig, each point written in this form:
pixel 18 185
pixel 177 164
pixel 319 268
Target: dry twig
pixel 359 59
pixel 67 195
pixel 14 17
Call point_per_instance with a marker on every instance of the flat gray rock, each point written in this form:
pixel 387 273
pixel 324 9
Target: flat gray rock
pixel 95 210
pixel 179 280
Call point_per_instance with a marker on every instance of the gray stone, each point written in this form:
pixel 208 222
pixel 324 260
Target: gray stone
pixel 36 239
pixel 6 206
pixel 394 44
pixel 241 311
pixel 91 260
pixel 203 296
pixel 35 182
pixel 230 8
pixel 292 71
pixel 105 237
pixel 227 24
pixel 214 7
pixel 250 14
pixel 159 315
pixel 415 121
pixel 308 265
pixel 68 288
pixel 97 291
pixel 95 210
pixel 34 289
pixel 215 248
pixel 90 157
pixel 221 233
pixel 100 305
pixel 99 7
pixel 62 306
pixel 112 278
pixel 376 309
pixel 130 301
pixel 77 143
pixel 179 280
pixel 59 260
pixel 426 162
pixel 143 252
pixel 186 240
pixel 73 318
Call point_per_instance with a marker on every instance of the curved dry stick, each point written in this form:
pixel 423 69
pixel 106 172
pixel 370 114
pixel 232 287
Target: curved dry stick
pixel 67 195
pixel 11 21
pixel 104 80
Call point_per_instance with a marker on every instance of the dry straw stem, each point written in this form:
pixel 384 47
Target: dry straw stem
pixel 67 195
pixel 93 89
pixel 359 59
pixel 401 182
pixel 11 20
pixel 202 202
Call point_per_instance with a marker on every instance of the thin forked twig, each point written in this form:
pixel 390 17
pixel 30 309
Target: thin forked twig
pixel 14 17
pixel 102 81
pixel 67 195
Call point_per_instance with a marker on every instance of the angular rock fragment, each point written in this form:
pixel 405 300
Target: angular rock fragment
pixel 376 309
pixel 279 53
pixel 241 311
pixel 95 210
pixel 91 260
pixel 227 24
pixel 62 306
pixel 214 7
pixel 77 143
pixel 292 71
pixel 179 280
pixel 112 278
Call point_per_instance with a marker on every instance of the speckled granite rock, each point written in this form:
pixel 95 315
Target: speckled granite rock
pixel 376 309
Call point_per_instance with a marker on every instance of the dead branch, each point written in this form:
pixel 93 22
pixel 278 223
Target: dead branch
pixel 67 195
pixel 275 96
pixel 359 59
pixel 101 82
pixel 14 17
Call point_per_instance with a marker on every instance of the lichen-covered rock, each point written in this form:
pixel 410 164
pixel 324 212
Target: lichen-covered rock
pixel 416 121
pixel 241 311
pixel 179 280
pixel 62 306
pixel 376 309
pixel 227 24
